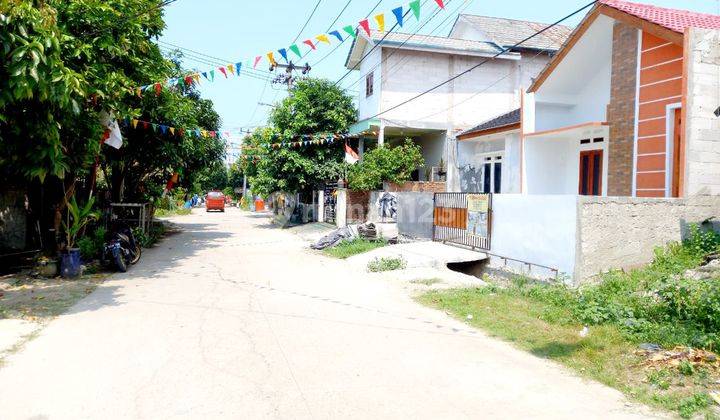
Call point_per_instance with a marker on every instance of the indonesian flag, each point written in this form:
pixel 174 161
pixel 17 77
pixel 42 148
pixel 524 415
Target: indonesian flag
pixel 350 156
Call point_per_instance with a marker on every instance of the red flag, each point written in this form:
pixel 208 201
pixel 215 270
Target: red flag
pixel 189 80
pixel 310 43
pixel 257 60
pixel 440 3
pixel 158 88
pixel 223 71
pixel 146 125
pixel 365 25
pixel 212 134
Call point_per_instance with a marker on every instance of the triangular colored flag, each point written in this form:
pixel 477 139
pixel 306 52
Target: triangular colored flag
pixel 223 71
pixel 163 128
pixel 271 58
pixel 146 124
pixel 294 48
pixel 212 134
pixel 154 127
pixel 398 12
pixel 158 88
pixel 172 130
pixel 205 75
pixel 415 7
pixel 310 43
pixel 189 80
pixel 196 77
pixel 134 123
pixel 198 132
pixel 212 75
pixel 351 156
pixel 204 133
pixel 180 82
pixel 283 53
pixel 181 131
pixel 366 25
pixel 139 92
pixel 238 66
pixel 231 68
pixel 350 30
pixel 257 60
pixel 380 19
pixel 440 3
pixel 323 38
pixel 337 35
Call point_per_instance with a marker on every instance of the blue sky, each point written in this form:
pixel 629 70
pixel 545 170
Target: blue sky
pixel 237 30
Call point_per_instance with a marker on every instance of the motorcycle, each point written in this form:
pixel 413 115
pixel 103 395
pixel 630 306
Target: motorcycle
pixel 121 248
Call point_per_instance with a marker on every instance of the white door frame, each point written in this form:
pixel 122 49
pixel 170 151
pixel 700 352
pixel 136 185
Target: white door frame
pixel 670 145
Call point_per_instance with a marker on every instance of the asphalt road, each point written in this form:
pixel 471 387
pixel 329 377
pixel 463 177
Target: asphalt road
pixel 234 319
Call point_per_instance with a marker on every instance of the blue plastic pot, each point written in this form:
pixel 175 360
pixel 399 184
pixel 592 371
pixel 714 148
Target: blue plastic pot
pixel 70 265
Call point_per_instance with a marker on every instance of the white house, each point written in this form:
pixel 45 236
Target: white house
pixel 404 65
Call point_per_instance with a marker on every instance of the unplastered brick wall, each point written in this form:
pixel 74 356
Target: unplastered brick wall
pixel 621 110
pixel 357 206
pixel 702 126
pixel 412 186
pixel 622 232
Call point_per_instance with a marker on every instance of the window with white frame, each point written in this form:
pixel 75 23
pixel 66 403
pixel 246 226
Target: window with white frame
pixel 491 174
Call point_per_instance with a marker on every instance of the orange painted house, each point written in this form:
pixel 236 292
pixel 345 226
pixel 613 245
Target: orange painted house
pixel 607 116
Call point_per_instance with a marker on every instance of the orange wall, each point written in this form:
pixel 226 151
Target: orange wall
pixel 661 70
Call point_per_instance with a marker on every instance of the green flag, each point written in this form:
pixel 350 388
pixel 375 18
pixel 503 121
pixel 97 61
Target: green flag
pixel 294 48
pixel 212 75
pixel 350 30
pixel 415 6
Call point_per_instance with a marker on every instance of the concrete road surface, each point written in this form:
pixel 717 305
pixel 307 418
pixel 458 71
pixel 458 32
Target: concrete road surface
pixel 235 319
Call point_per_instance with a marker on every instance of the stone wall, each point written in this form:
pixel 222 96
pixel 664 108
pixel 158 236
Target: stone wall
pixel 702 128
pixel 621 109
pixel 411 186
pixel 13 222
pixel 622 232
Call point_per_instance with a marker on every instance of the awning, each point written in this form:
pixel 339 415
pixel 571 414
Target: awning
pixel 363 126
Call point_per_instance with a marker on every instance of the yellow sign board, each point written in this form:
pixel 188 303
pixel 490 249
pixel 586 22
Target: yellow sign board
pixel 477 203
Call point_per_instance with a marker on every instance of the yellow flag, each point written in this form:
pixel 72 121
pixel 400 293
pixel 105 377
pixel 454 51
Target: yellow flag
pixel 204 133
pixel 271 59
pixel 134 123
pixel 196 77
pixel 172 130
pixel 231 68
pixel 323 38
pixel 380 21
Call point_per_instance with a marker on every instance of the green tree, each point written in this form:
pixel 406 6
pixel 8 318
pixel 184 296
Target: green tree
pixel 391 164
pixel 314 106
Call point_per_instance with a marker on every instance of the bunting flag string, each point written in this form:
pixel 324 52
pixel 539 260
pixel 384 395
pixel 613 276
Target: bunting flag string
pixel 312 43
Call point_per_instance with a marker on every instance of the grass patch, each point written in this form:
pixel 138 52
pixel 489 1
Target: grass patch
pixel 655 304
pixel 180 211
pixel 357 246
pixel 385 264
pixel 426 282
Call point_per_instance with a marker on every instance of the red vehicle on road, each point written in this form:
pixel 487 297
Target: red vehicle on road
pixel 215 200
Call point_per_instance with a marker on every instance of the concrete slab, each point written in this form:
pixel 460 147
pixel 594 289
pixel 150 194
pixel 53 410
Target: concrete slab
pixel 14 331
pixel 424 254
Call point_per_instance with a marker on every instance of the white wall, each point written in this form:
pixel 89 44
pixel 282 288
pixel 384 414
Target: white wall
pixel 457 104
pixel 473 153
pixel 549 164
pixel 433 149
pixel 512 165
pixel 369 106
pixel 536 229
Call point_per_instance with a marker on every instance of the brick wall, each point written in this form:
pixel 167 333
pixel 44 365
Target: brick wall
pixel 357 206
pixel 411 186
pixel 621 110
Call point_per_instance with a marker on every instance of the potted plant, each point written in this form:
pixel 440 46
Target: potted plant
pixel 76 220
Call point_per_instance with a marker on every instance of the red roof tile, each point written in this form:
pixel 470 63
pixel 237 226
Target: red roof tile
pixel 673 19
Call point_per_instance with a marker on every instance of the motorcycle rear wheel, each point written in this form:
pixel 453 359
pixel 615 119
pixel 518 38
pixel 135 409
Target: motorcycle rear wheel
pixel 120 262
pixel 138 252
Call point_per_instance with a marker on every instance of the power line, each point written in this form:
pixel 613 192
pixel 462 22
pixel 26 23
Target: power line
pixel 343 41
pixel 200 60
pixel 384 60
pixel 479 64
pixel 307 21
pixel 373 48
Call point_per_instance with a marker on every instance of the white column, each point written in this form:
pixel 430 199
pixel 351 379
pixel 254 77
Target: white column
pixel 381 134
pixel 452 180
pixel 321 206
pixel 341 208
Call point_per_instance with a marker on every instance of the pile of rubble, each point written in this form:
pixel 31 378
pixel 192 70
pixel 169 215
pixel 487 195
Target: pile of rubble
pixel 657 358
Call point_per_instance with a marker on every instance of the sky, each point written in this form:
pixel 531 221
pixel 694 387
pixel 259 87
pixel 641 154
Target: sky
pixel 237 30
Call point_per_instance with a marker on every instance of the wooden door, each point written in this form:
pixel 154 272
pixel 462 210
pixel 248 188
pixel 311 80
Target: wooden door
pixel 676 152
pixel 591 172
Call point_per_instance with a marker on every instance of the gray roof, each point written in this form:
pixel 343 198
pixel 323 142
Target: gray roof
pixel 508 32
pixel 433 42
pixel 512 117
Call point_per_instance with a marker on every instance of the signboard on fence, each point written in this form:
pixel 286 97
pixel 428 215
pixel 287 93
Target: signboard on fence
pixel 477 214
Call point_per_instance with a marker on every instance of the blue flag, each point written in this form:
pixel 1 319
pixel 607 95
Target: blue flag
pixel 337 35
pixel 283 52
pixel 398 15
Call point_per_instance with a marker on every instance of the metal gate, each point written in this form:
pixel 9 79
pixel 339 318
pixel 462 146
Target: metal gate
pixel 463 219
pixel 329 204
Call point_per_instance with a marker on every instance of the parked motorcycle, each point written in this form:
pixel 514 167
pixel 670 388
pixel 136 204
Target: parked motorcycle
pixel 121 249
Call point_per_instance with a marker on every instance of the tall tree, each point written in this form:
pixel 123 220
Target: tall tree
pixel 314 106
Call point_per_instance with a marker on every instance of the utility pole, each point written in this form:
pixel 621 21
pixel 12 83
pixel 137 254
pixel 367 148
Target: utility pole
pixel 288 77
